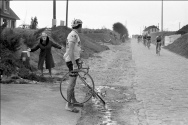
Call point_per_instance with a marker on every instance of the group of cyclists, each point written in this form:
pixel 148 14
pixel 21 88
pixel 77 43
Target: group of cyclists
pixel 146 40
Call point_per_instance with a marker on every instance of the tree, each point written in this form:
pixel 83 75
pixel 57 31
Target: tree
pixel 121 29
pixel 34 23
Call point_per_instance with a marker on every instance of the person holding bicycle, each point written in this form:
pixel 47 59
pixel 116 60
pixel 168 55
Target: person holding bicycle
pixel 72 58
pixel 158 43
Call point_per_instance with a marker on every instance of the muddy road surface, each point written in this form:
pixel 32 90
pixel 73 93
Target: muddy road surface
pixel 139 87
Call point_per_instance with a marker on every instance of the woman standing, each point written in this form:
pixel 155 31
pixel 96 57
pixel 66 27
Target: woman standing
pixel 45 46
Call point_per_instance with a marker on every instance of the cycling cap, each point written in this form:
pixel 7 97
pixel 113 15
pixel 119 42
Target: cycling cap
pixel 76 22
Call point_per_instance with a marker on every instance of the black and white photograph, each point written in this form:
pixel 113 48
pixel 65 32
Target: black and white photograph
pixel 94 62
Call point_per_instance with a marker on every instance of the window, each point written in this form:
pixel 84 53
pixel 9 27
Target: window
pixel 6 5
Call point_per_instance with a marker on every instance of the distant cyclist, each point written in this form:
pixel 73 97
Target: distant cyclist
pixel 148 40
pixel 145 39
pixel 158 42
pixel 139 38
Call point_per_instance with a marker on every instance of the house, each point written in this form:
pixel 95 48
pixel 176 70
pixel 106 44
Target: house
pixel 150 29
pixel 7 15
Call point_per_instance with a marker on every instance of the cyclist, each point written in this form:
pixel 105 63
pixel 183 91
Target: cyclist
pixel 139 38
pixel 148 40
pixel 158 42
pixel 72 57
pixel 144 39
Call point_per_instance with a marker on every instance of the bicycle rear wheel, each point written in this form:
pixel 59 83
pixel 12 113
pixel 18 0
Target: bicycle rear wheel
pixel 159 51
pixel 83 89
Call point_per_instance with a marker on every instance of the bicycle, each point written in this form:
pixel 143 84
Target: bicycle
pixel 84 89
pixel 145 42
pixel 158 49
pixel 149 44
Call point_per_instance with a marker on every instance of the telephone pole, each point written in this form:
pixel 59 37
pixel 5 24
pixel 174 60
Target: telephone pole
pixel 179 25
pixel 54 14
pixel 162 16
pixel 67 14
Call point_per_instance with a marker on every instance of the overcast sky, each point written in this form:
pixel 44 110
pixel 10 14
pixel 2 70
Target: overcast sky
pixel 97 14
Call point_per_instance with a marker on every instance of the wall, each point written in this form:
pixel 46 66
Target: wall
pixel 163 34
pixel 171 39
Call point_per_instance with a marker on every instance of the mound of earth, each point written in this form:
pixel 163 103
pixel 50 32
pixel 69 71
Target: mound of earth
pixel 92 43
pixel 179 46
pixel 183 30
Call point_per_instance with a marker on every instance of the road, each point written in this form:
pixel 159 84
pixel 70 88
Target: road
pixel 161 86
pixel 34 104
pixel 141 89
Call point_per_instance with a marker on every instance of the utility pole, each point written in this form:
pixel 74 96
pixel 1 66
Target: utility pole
pixel 67 14
pixel 162 16
pixel 179 25
pixel 54 14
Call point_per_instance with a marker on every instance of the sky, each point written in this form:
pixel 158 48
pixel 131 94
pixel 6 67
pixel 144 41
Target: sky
pixel 135 15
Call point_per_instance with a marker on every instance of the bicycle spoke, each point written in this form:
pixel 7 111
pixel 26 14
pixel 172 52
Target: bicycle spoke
pixel 83 88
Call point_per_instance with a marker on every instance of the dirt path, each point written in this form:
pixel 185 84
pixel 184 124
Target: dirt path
pixel 113 71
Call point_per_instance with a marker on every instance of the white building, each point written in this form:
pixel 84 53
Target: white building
pixel 150 29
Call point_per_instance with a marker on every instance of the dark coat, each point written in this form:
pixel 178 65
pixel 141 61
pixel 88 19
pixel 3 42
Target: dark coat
pixel 45 53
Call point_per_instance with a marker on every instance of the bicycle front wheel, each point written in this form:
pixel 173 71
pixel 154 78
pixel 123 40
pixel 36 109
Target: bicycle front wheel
pixel 81 91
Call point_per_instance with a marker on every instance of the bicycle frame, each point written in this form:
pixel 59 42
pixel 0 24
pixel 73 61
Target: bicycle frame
pixel 82 78
pixel 93 92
